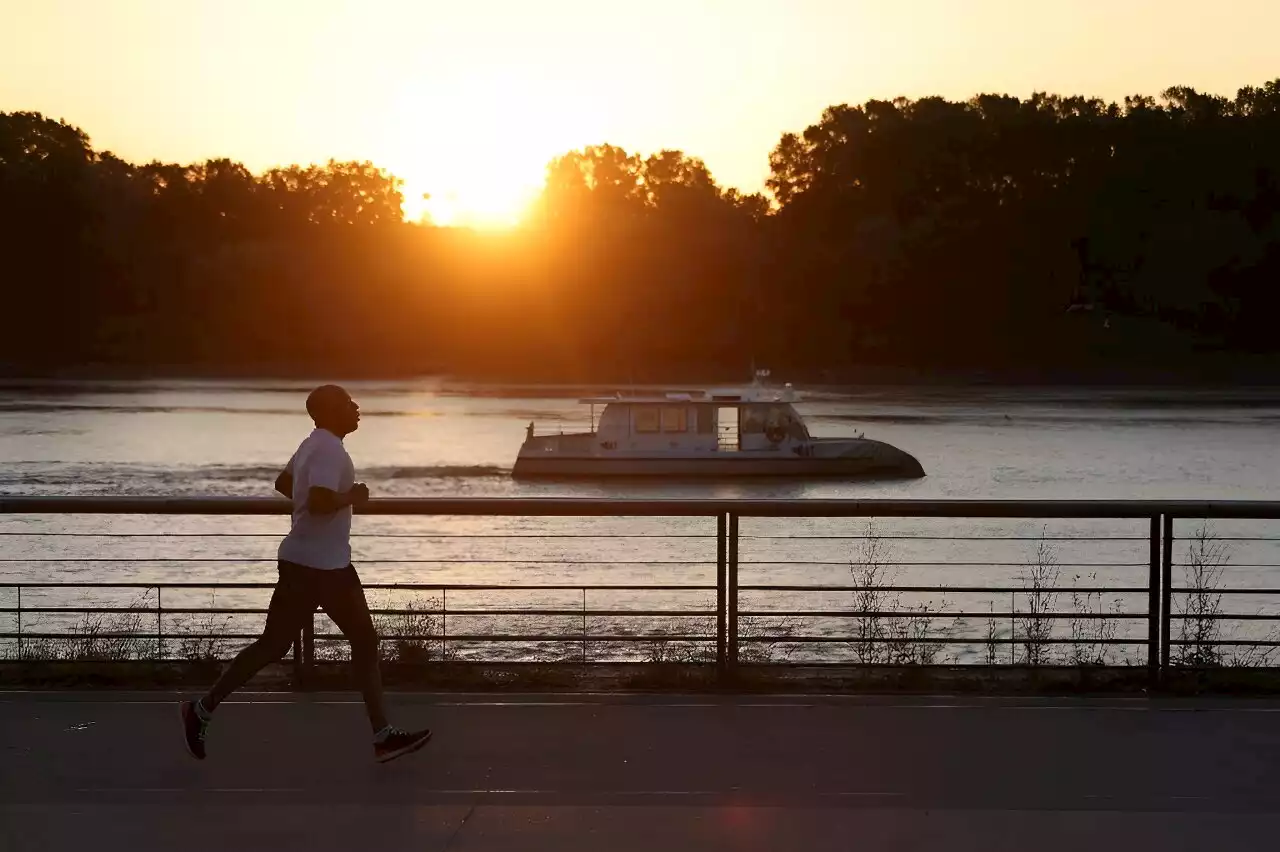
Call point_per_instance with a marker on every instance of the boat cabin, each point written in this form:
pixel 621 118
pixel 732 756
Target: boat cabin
pixel 707 423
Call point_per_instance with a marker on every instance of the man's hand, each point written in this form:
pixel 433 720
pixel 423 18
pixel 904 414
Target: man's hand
pixel 358 494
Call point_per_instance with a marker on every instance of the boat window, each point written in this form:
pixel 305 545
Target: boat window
pixel 706 423
pixel 764 418
pixel 753 418
pixel 647 419
pixel 675 420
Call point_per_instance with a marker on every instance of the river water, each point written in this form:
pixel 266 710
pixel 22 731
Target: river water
pixel 428 438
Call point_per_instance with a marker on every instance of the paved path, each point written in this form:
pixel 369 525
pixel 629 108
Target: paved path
pixel 567 773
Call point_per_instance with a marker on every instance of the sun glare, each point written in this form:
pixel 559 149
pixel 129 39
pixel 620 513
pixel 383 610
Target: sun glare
pixel 477 197
pixel 479 149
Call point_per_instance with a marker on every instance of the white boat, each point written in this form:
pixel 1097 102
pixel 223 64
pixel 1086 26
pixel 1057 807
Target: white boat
pixel 717 433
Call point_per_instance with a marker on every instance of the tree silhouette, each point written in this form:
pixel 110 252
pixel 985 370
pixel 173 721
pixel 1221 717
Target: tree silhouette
pixel 1052 236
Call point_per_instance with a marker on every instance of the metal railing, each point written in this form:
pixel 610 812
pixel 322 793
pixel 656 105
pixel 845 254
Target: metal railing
pixel 431 640
pixel 720 605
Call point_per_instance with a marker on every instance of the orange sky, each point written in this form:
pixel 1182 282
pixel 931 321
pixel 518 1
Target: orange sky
pixel 468 101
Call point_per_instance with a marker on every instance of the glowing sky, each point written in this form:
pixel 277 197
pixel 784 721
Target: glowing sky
pixel 469 100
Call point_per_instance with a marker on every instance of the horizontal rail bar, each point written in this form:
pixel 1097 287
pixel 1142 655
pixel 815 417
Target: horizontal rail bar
pixel 650 637
pixel 603 560
pixel 935 640
pixel 590 535
pixel 124 610
pixel 1228 566
pixel 911 537
pixel 818 613
pixel 426 536
pixel 628 587
pixel 1225 590
pixel 140 637
pixel 687 507
pixel 56 610
pixel 653 613
pixel 1003 590
pixel 1117 668
pixel 1251 643
pixel 1226 616
pixel 402 587
pixel 578 613
pixel 262 560
pixel 536 637
pixel 338 637
pixel 464 587
pixel 896 564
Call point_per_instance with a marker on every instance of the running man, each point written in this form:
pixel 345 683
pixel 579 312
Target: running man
pixel 315 571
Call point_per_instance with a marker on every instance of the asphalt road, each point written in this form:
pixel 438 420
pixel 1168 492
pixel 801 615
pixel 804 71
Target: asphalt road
pixel 590 772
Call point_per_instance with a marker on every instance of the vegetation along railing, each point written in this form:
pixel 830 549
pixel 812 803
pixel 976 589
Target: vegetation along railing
pixel 1161 584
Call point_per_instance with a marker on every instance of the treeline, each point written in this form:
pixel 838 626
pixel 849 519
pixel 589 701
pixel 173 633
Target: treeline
pixel 1052 235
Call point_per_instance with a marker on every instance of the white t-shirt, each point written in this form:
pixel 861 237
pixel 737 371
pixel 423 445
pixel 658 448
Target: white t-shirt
pixel 319 541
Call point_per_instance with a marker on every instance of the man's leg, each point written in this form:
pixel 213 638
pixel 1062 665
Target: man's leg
pixel 292 603
pixel 345 603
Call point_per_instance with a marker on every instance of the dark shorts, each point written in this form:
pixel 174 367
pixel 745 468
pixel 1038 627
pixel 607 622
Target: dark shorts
pixel 300 591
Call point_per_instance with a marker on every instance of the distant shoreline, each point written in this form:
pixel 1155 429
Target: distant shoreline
pixel 1252 374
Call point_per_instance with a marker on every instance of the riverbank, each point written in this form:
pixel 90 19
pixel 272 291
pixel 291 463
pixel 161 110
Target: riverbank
pixel 1205 370
pixel 1229 387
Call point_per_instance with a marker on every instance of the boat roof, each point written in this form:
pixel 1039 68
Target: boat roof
pixel 724 396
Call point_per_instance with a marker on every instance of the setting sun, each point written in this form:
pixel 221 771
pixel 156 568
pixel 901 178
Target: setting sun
pixel 479 147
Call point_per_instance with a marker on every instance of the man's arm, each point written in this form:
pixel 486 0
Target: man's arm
pixel 284 483
pixel 324 473
pixel 325 501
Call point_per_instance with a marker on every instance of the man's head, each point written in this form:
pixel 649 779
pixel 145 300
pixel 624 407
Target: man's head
pixel 332 408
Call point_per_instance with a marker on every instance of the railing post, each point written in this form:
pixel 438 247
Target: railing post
pixel 731 592
pixel 308 646
pixel 722 596
pixel 1166 593
pixel 444 624
pixel 1154 599
pixel 159 626
pixel 1013 627
pixel 19 622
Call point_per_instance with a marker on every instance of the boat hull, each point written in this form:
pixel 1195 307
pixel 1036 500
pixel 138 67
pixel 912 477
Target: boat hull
pixel 727 466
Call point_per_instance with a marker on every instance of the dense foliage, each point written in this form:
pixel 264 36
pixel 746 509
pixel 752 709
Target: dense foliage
pixel 999 234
